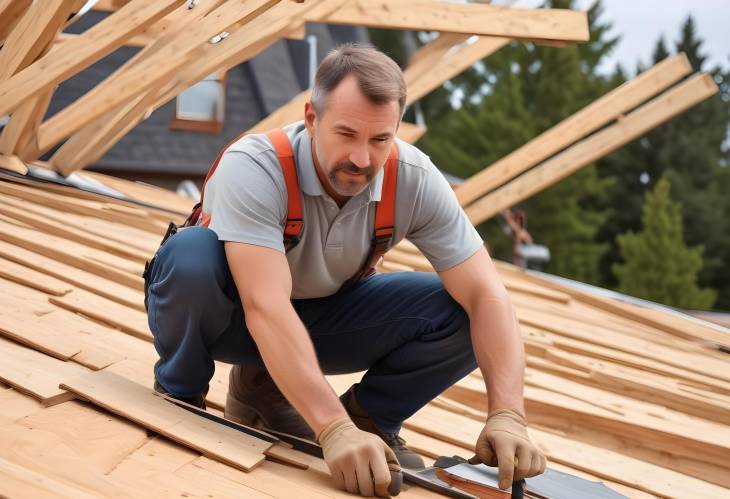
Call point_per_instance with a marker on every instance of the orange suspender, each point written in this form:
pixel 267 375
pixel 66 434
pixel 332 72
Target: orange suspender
pixel 384 209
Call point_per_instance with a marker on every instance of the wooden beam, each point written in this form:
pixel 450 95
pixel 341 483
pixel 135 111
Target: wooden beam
pixel 237 47
pixel 410 132
pixel 92 45
pixel 182 49
pixel 467 18
pixel 17 135
pixel 13 163
pixel 109 5
pixel 140 40
pixel 10 13
pixel 635 124
pixel 589 119
pixel 433 72
pixel 35 30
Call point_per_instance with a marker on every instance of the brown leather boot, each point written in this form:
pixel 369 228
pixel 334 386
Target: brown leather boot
pixel 198 401
pixel 254 400
pixel 406 457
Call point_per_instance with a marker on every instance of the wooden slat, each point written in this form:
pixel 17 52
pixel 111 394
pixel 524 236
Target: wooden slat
pixel 84 258
pixel 133 80
pixel 92 45
pixel 36 333
pixel 126 319
pixel 105 210
pixel 32 278
pixel 34 373
pixel 473 19
pixel 17 136
pixel 18 481
pixel 18 210
pixel 140 405
pixel 597 114
pixel 10 13
pixel 35 30
pixel 640 121
pixel 430 74
pixel 109 289
pixel 13 163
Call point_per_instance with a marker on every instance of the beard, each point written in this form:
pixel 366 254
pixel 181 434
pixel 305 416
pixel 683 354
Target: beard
pixel 345 184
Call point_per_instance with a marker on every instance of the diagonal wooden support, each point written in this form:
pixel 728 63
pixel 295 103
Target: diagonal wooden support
pixel 429 74
pixel 635 124
pixel 468 18
pixel 33 38
pixel 165 63
pixel 589 119
pixel 10 13
pixel 35 30
pixel 92 45
pixel 237 47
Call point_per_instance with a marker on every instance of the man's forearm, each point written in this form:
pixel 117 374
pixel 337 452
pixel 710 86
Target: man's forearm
pixel 290 358
pixel 500 353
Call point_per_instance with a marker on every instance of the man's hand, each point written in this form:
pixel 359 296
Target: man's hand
pixel 504 442
pixel 358 461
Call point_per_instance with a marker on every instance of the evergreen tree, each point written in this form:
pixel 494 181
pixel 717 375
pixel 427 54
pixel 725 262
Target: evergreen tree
pixel 511 97
pixel 689 150
pixel 658 266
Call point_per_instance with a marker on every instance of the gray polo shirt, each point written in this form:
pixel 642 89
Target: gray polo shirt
pixel 247 201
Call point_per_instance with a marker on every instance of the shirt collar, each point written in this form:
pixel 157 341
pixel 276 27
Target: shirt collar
pixel 309 182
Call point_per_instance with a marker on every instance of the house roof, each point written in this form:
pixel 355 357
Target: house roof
pixel 629 395
pixel 254 89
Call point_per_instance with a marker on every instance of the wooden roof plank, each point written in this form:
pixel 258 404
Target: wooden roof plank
pixel 473 19
pixel 128 320
pixel 140 405
pixel 67 273
pixel 79 256
pixel 589 119
pixel 35 373
pixel 17 211
pixel 92 45
pixel 32 278
pixel 635 124
pixel 18 481
pixel 13 164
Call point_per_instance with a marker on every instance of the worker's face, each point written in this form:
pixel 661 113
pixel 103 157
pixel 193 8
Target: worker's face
pixel 351 138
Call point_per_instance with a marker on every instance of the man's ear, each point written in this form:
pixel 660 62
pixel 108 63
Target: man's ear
pixel 310 115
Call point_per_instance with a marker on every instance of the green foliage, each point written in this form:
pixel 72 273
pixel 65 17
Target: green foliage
pixel 658 266
pixel 689 150
pixel 523 90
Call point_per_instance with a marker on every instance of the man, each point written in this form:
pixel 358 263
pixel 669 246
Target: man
pixel 231 292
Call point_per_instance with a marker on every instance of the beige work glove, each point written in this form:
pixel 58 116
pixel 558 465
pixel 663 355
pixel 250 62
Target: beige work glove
pixel 504 442
pixel 358 461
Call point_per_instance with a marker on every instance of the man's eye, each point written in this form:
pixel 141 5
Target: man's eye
pixel 381 139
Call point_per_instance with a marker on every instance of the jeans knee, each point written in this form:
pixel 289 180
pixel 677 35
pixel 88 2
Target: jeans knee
pixel 191 263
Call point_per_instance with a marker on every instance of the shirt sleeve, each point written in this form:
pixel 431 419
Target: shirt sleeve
pixel 245 201
pixel 440 228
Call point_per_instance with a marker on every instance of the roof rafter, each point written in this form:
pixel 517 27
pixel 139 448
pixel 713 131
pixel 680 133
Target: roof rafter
pixel 589 119
pixel 633 125
pixel 468 18
pixel 92 45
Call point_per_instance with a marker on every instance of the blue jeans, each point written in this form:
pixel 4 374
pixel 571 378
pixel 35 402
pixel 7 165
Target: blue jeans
pixel 403 328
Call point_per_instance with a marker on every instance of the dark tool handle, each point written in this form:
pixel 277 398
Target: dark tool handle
pixel 396 481
pixel 518 489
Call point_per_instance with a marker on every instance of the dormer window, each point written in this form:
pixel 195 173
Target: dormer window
pixel 201 108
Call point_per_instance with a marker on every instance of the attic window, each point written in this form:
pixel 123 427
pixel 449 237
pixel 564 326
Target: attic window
pixel 201 108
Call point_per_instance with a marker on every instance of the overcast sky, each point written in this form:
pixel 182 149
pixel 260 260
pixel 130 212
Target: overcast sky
pixel 641 22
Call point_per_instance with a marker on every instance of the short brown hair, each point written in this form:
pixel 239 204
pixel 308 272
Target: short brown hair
pixel 379 77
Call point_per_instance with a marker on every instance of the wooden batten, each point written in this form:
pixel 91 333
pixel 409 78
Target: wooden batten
pixel 638 122
pixel 473 19
pixel 597 114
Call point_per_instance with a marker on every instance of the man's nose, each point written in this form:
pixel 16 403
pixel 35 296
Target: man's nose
pixel 359 156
